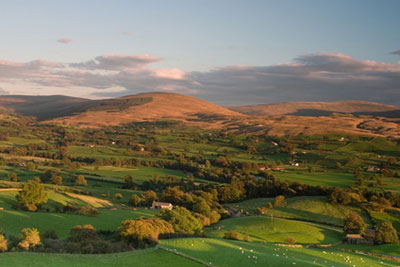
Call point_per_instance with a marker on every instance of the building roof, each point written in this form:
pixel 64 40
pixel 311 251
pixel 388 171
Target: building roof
pixel 353 236
pixel 161 203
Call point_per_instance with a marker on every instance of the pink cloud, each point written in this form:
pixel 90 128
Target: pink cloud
pixel 175 74
pixel 123 32
pixel 64 40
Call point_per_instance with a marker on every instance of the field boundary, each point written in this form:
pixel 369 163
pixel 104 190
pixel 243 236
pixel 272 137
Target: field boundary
pixel 184 255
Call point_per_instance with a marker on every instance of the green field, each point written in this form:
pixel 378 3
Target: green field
pixel 221 252
pixel 145 258
pixel 12 221
pixel 262 228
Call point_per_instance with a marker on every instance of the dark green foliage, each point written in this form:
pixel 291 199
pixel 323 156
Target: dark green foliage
pixel 386 233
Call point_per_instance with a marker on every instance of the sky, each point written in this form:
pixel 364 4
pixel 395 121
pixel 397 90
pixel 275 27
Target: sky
pixel 228 52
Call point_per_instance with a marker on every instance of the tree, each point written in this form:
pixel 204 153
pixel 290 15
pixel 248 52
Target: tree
pixel 29 237
pixel 128 181
pixel 13 177
pixel 148 197
pixel 56 179
pixel 182 220
pixel 279 200
pixel 80 180
pixel 31 195
pixel 386 234
pixel 135 200
pixel 339 196
pixel 144 230
pixel 354 224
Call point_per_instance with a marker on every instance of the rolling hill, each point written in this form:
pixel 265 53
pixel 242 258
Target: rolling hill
pixel 315 109
pixel 297 118
pixel 149 107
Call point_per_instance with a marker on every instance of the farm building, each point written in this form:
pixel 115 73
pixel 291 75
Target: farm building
pixel 161 205
pixel 356 239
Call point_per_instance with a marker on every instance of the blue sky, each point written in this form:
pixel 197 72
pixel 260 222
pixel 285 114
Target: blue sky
pixel 195 37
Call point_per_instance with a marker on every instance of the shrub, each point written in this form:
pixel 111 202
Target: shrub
pixel 118 195
pixel 231 235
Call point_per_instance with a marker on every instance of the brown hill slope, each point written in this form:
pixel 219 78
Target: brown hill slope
pixel 155 107
pixel 315 109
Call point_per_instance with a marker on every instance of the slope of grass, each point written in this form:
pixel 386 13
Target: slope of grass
pixel 307 208
pixel 148 257
pixel 221 252
pixel 12 221
pixel 262 228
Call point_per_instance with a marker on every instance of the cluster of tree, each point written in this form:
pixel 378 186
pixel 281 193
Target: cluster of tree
pixel 142 232
pixel 83 239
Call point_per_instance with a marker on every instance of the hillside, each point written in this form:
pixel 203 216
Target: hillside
pixel 315 109
pixel 150 107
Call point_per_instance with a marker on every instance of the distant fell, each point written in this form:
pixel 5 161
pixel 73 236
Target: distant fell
pixel 316 109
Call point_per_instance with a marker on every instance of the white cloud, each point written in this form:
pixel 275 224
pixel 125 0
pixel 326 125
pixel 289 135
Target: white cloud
pixel 311 77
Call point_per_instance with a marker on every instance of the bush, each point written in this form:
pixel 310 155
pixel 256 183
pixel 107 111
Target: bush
pixel 118 196
pixel 232 235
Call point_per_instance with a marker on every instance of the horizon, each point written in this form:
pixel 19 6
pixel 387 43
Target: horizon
pixel 228 55
pixel 243 105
